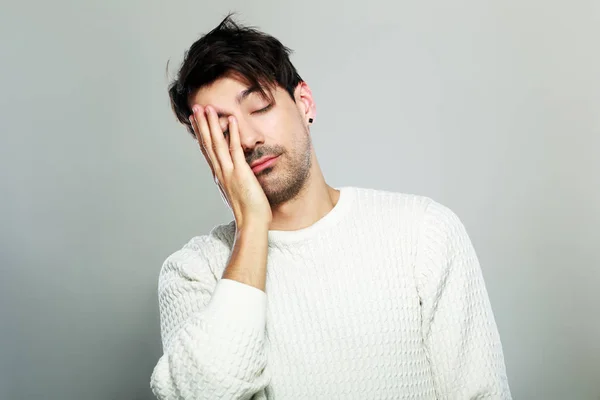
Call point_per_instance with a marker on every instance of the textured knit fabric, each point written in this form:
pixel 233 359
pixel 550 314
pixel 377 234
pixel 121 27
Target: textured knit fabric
pixel 382 298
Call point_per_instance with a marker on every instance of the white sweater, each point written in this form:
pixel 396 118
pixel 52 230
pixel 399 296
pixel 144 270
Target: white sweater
pixel 382 298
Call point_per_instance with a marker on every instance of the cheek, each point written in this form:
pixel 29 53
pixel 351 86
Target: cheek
pixel 272 126
pixel 274 121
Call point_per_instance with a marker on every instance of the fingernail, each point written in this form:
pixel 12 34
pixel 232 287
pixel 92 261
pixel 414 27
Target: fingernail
pixel 196 109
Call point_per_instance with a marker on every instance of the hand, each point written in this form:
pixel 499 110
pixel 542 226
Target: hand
pixel 231 172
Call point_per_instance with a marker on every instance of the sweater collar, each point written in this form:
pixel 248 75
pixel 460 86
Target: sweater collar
pixel 347 194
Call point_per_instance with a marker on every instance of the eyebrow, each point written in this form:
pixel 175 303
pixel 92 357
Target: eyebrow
pixel 239 99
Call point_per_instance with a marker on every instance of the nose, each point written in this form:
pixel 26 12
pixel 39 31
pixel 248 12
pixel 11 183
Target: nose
pixel 250 136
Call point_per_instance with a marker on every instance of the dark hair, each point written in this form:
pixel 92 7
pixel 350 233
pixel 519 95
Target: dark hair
pixel 258 59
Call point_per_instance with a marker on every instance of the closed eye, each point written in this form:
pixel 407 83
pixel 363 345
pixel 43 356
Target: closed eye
pixel 262 110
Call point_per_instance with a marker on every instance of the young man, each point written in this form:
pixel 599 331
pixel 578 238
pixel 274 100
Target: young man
pixel 311 292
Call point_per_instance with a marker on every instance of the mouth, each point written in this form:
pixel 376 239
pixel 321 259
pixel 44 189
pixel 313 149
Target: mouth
pixel 263 163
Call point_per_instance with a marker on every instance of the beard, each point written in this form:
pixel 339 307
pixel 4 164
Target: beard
pixel 286 179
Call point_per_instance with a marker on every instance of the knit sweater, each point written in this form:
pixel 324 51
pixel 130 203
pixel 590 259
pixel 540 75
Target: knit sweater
pixel 382 298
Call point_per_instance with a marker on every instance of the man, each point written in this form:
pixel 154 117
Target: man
pixel 311 292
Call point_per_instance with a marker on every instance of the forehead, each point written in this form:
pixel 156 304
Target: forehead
pixel 225 92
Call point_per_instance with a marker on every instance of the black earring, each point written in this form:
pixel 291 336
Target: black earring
pixel 310 120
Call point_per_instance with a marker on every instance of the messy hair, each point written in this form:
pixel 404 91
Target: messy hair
pixel 257 59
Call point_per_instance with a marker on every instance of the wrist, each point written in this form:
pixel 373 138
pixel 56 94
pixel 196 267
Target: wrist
pixel 252 226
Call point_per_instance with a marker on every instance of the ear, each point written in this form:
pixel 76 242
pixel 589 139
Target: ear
pixel 305 101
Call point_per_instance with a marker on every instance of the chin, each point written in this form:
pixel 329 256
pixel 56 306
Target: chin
pixel 265 173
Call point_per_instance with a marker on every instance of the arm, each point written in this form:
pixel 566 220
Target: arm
pixel 213 330
pixel 459 330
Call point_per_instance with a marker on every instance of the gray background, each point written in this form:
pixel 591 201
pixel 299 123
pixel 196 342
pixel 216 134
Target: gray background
pixel 489 107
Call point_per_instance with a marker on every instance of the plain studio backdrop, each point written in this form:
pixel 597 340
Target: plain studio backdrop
pixel 491 108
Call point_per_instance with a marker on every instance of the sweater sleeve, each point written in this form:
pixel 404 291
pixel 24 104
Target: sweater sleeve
pixel 459 329
pixel 212 330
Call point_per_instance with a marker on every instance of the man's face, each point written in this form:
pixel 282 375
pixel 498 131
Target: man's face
pixel 267 129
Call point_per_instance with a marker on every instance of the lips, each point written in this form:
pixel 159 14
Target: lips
pixel 261 160
pixel 263 163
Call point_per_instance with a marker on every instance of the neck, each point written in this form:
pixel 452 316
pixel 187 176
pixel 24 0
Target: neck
pixel 313 202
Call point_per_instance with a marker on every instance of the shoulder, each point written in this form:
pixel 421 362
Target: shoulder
pixel 423 212
pixel 201 253
pixel 442 232
pixel 386 202
pixel 441 221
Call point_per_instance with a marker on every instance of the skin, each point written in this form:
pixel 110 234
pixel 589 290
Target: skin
pixel 294 186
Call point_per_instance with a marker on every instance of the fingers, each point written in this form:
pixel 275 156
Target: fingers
pixel 219 144
pixel 219 154
pixel 235 147
pixel 201 144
